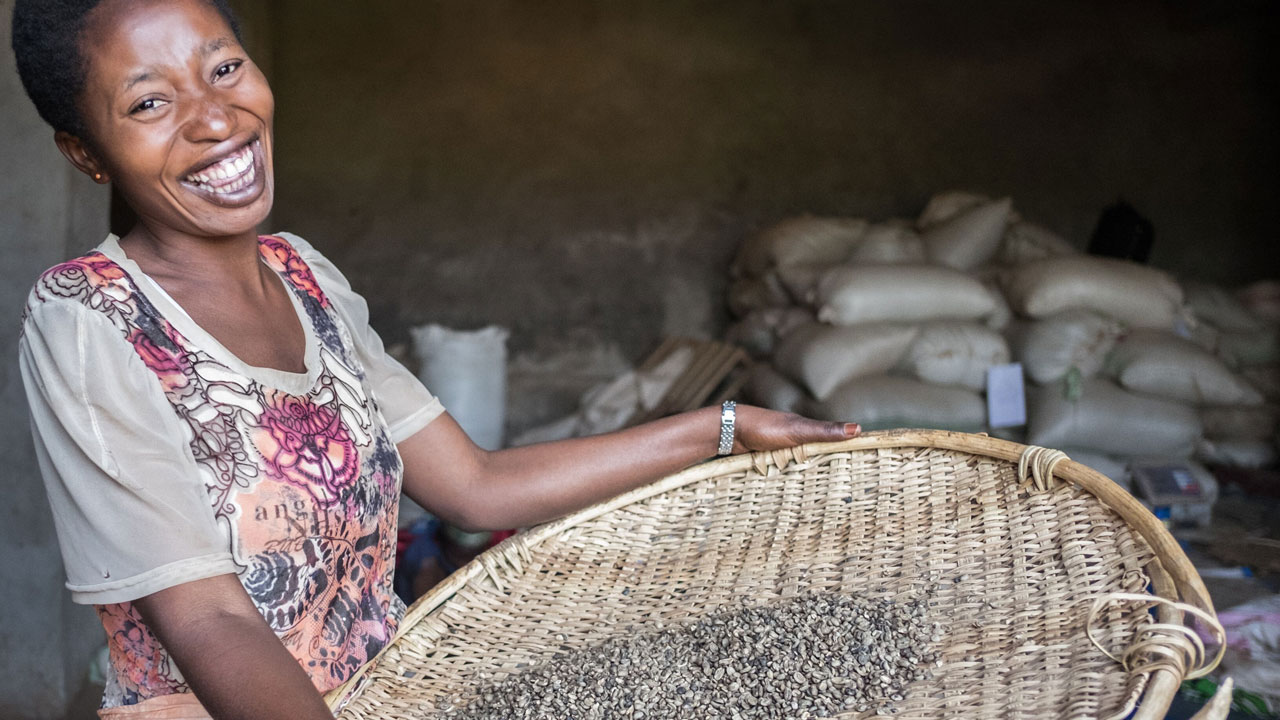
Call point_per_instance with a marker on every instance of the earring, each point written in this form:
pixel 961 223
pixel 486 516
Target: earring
pixel 97 177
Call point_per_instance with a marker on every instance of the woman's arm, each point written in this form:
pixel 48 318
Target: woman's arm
pixel 463 484
pixel 235 664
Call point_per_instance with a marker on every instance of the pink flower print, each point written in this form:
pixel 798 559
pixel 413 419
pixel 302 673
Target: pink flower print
pixel 136 652
pixel 80 277
pixel 102 269
pixel 281 257
pixel 168 364
pixel 306 445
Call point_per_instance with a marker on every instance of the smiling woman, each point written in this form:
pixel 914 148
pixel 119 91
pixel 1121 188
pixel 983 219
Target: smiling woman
pixel 191 379
pixel 182 128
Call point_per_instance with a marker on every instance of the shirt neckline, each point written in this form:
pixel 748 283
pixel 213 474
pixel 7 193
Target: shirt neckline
pixel 294 383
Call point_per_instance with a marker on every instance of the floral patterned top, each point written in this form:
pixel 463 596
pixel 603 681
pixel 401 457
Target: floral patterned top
pixel 167 459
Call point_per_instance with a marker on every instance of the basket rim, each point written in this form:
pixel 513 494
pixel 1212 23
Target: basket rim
pixel 1186 582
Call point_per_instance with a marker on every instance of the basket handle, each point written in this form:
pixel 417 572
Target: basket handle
pixel 1163 644
pixel 1165 652
pixel 1036 466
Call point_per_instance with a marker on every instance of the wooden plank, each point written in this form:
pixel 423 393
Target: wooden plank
pixel 712 364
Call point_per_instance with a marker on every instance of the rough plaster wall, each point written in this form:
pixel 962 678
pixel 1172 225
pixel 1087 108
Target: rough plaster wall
pixel 575 166
pixel 48 212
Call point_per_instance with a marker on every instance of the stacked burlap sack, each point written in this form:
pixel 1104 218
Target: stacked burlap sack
pixel 1121 369
pixel 894 324
pixel 1242 329
pixel 887 323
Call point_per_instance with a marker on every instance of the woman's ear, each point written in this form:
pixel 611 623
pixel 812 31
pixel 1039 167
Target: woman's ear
pixel 75 150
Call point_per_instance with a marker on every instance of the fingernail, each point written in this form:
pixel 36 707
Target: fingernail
pixel 852 429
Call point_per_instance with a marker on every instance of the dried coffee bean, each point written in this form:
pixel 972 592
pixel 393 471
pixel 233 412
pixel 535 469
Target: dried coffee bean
pixel 811 656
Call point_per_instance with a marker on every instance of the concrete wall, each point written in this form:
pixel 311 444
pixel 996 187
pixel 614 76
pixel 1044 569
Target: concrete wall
pixel 576 169
pixel 47 213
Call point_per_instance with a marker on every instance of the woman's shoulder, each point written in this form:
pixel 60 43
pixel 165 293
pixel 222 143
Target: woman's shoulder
pixel 287 249
pixel 78 278
pixel 81 307
pixel 92 282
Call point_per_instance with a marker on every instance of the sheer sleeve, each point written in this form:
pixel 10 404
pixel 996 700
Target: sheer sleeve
pixel 405 402
pixel 131 512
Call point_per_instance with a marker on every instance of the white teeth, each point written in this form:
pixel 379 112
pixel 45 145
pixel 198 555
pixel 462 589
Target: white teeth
pixel 238 184
pixel 232 166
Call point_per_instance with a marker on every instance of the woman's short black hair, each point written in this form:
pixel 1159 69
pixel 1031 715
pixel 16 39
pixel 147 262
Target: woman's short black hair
pixel 46 45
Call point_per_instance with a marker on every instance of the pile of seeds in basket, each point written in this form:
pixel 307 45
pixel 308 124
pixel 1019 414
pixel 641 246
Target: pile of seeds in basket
pixel 813 656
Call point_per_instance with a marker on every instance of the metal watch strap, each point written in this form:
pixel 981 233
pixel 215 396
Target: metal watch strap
pixel 728 417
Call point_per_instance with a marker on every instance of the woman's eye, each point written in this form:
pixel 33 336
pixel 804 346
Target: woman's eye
pixel 145 105
pixel 227 68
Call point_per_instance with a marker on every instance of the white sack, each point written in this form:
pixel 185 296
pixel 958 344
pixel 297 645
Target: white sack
pixel 769 388
pixel 970 238
pixel 1251 454
pixel 748 294
pixel 947 204
pixel 1024 242
pixel 1134 294
pixel 467 370
pixel 889 243
pixel 1111 420
pixel 758 333
pixel 1163 364
pixel 1220 308
pixel 609 406
pixel 1050 348
pixel 850 295
pixel 955 353
pixel 804 240
pixel 1204 335
pixel 1248 349
pixel 1002 315
pixel 878 402
pixel 1240 423
pixel 821 357
pixel 801 281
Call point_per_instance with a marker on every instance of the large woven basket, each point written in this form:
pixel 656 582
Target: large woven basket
pixel 1046 588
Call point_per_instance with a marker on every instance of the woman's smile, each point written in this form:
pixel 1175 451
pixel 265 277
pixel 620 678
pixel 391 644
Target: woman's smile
pixel 235 179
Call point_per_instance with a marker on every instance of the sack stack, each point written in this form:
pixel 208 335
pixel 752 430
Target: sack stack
pixel 1090 330
pixel 1241 418
pixel 895 324
pixel 887 323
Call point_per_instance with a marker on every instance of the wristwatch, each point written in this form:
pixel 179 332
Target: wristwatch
pixel 728 416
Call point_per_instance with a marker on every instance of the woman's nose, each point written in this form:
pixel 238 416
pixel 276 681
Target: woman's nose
pixel 208 119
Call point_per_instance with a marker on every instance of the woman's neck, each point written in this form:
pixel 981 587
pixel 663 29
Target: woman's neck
pixel 187 261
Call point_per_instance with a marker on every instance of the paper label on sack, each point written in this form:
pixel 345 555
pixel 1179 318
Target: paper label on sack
pixel 1006 396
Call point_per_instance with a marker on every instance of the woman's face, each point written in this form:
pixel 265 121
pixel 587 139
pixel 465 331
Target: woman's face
pixel 178 116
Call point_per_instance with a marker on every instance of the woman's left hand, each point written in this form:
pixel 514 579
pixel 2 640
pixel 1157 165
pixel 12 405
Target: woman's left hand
pixel 762 429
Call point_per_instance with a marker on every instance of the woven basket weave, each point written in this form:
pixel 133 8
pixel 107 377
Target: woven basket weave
pixel 1022 570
